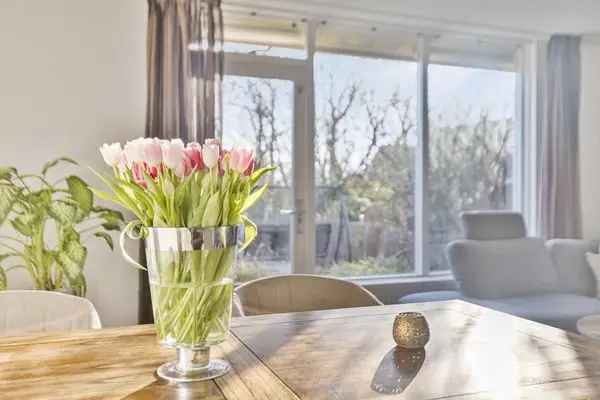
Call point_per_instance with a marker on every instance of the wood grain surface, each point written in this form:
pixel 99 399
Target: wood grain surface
pixel 474 353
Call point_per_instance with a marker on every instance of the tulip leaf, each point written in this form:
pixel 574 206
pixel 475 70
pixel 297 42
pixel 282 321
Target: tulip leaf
pixel 212 211
pixel 81 193
pixel 53 163
pixel 256 175
pixel 253 198
pixel 107 238
pixel 63 213
pixel 250 232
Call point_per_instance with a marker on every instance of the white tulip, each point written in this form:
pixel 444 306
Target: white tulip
pixel 172 153
pixel 111 153
pixel 210 155
pixel 134 151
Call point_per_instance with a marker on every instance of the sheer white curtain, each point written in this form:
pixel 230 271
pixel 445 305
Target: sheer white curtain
pixel 558 187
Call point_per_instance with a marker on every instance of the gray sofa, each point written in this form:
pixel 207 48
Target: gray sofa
pixel 499 267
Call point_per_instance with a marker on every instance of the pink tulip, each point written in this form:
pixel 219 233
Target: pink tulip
pixel 111 153
pixel 184 168
pixel 172 153
pixel 240 160
pixel 193 151
pixel 210 154
pixel 250 168
pixel 137 170
pixel 152 152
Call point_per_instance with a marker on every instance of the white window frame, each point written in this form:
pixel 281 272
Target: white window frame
pixel 300 72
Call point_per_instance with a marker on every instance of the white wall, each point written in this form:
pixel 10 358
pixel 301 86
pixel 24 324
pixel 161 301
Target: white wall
pixel 72 76
pixel 589 128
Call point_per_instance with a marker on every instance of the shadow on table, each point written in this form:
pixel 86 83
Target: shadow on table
pixel 397 370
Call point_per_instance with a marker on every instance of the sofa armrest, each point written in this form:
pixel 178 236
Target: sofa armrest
pixel 574 273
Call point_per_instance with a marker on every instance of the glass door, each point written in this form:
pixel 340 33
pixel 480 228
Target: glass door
pixel 258 114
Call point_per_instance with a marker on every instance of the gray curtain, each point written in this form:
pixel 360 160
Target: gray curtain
pixel 185 69
pixel 558 191
pixel 184 72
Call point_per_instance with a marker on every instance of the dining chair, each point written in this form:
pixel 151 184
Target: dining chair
pixel 298 292
pixel 30 311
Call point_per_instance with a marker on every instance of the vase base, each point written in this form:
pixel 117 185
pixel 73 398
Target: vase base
pixel 214 369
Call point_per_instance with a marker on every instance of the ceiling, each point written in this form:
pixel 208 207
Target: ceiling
pixel 522 16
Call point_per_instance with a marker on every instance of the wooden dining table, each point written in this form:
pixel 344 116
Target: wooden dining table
pixel 473 353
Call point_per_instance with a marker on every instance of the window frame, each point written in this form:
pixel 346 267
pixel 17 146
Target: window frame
pixel 301 73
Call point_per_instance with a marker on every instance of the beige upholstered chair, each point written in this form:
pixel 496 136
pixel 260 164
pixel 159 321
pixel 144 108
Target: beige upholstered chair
pixel 29 311
pixel 294 293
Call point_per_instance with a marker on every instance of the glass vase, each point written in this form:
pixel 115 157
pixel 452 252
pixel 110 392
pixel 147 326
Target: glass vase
pixel 191 295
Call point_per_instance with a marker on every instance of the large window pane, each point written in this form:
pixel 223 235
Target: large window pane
pixel 472 139
pixel 258 115
pixel 364 150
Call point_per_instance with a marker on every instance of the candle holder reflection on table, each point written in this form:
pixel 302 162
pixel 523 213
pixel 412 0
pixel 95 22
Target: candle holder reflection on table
pixel 411 330
pixel 397 370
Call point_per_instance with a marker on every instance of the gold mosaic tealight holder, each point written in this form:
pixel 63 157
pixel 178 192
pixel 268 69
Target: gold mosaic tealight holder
pixel 411 330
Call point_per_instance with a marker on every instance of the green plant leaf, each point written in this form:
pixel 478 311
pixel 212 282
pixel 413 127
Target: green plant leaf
pixel 81 193
pixel 71 258
pixel 253 198
pixel 80 286
pixel 53 163
pixel 112 226
pixel 63 213
pixel 23 224
pixel 107 238
pixel 109 214
pixel 7 172
pixel 3 279
pixel 40 198
pixel 8 196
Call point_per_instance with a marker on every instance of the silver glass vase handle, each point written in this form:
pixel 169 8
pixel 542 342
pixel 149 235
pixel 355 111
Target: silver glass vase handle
pixel 130 231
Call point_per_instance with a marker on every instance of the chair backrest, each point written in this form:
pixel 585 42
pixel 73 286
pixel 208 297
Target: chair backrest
pixel 30 311
pixel 296 293
pixel 497 259
pixel 493 225
pixel 574 273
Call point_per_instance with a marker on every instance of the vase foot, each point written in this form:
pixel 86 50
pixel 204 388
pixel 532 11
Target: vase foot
pixel 214 369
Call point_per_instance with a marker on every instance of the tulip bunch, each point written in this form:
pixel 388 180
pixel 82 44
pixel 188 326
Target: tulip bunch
pixel 169 184
pixel 153 156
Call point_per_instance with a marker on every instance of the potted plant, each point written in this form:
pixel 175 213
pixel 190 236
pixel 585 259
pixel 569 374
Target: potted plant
pixel 33 206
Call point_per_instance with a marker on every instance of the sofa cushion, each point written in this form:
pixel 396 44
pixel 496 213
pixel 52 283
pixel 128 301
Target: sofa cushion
pixel 558 310
pixel 502 268
pixel 574 273
pixel 493 225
